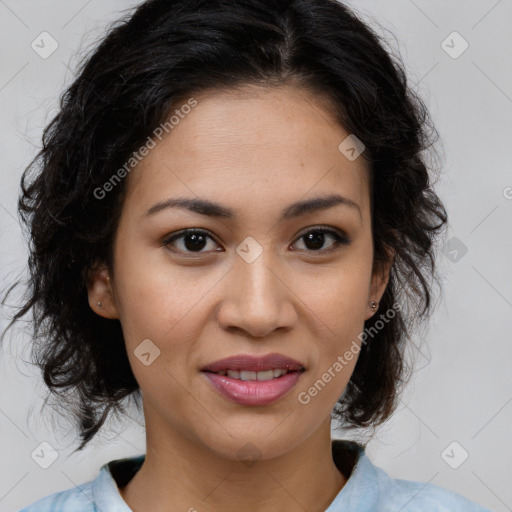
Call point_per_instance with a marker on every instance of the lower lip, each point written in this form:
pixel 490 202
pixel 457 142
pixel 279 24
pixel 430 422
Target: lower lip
pixel 253 392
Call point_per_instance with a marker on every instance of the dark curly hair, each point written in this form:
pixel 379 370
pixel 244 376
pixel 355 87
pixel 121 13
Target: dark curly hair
pixel 148 62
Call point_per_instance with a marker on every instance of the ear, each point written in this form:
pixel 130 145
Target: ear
pixel 379 281
pixel 100 292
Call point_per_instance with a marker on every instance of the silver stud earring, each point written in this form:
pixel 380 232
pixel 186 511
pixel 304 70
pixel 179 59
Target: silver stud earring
pixel 373 305
pixel 99 304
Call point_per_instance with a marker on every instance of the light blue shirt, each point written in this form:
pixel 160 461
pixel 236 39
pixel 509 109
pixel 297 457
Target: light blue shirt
pixel 368 489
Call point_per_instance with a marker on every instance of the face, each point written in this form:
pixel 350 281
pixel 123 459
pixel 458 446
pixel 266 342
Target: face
pixel 255 282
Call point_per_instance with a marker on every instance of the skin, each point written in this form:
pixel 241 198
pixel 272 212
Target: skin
pixel 255 150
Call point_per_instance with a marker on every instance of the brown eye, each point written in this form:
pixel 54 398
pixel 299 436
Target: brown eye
pixel 192 240
pixel 315 239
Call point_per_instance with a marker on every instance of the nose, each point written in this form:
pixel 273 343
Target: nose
pixel 258 299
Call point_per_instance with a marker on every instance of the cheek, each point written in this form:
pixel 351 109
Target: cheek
pixel 338 293
pixel 158 319
pixel 165 314
pixel 339 299
pixel 326 383
pixel 153 294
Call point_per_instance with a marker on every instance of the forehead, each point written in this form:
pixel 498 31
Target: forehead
pixel 275 145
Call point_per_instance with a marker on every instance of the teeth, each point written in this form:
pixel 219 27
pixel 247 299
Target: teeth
pixel 250 375
pixel 266 375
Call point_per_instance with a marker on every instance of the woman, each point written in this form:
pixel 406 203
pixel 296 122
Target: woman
pixel 231 220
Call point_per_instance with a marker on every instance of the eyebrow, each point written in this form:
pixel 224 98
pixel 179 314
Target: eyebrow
pixel 211 209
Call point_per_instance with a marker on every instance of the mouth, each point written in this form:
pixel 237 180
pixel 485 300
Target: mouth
pixel 249 363
pixel 250 380
pixel 248 375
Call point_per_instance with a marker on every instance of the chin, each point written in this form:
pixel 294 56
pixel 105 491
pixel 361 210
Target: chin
pixel 249 446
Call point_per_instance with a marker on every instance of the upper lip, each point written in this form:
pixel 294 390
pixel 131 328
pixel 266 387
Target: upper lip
pixel 246 362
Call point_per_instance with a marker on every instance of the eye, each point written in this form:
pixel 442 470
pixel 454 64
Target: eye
pixel 314 239
pixel 193 240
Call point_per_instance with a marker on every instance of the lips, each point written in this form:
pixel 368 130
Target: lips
pixel 254 381
pixel 253 392
pixel 246 362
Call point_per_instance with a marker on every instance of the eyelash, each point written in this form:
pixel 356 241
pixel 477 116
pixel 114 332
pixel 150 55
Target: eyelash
pixel 339 239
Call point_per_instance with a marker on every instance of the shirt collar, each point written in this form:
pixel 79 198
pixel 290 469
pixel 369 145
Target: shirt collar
pixel 360 484
pixel 360 491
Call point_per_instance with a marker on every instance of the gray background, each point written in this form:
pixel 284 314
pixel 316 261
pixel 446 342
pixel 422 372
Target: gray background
pixel 462 388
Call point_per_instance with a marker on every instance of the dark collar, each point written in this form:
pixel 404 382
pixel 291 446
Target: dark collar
pixel 345 455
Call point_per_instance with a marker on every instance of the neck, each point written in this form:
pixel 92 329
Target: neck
pixel 178 474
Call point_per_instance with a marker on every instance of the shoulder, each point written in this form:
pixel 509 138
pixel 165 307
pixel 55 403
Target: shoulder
pixel 419 496
pixel 413 496
pixel 98 495
pixel 370 489
pixel 76 499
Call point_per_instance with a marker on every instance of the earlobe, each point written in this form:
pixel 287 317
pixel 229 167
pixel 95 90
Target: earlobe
pixel 379 282
pixel 100 293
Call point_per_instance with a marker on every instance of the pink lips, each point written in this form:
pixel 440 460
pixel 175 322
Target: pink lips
pixel 253 392
pixel 253 363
